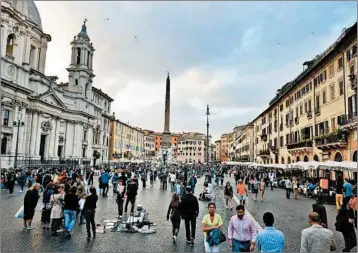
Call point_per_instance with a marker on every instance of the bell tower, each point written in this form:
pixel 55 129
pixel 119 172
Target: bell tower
pixel 81 66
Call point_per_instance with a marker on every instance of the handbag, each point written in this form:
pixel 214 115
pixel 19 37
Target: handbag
pixel 222 237
pixel 20 213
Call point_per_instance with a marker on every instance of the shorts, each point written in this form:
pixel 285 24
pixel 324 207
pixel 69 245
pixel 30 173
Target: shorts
pixel 255 191
pixel 242 197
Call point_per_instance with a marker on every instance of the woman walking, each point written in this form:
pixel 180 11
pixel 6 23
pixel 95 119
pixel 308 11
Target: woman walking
pixel 345 224
pixel 228 195
pixel 121 191
pixel 262 189
pixel 71 205
pixel 47 206
pixel 90 210
pixel 57 200
pixel 210 222
pixel 30 203
pixel 174 215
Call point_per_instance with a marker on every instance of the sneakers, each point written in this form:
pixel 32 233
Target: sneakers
pixel 192 242
pixel 174 239
pixel 30 228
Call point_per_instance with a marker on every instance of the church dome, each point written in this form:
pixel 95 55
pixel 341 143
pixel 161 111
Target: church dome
pixel 28 9
pixel 33 14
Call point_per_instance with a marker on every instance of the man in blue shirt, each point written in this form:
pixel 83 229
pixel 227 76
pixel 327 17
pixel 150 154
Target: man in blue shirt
pixel 270 239
pixel 347 189
pixel 105 177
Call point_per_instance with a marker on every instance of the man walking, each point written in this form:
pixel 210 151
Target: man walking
pixel 288 185
pixel 270 239
pixel 317 238
pixel 189 210
pixel 241 231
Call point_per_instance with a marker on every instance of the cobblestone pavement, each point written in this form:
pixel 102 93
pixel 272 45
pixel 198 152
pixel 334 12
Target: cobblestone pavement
pixel 291 216
pixel 15 239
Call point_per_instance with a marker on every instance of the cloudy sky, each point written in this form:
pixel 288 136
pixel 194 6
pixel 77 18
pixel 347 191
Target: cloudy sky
pixel 230 55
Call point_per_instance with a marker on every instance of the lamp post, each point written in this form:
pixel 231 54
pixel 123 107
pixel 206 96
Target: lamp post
pixel 207 133
pixel 17 124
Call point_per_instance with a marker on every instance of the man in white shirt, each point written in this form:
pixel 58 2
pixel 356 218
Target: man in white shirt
pixel 288 185
pixel 173 178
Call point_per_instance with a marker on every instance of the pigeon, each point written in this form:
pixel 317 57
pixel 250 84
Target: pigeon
pixel 135 37
pixel 106 19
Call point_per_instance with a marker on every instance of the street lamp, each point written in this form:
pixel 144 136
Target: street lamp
pixel 17 124
pixel 207 133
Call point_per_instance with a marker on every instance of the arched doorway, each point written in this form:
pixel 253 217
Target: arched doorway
pixel 338 157
pixel 282 160
pixel 315 158
pixel 298 159
pixel 305 159
pixel 289 160
pixel 354 159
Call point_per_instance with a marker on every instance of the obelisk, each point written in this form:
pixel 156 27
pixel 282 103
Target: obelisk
pixel 166 133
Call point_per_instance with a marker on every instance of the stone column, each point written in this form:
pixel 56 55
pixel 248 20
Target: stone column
pixel 22 134
pixel 42 59
pixel 36 58
pixel 27 47
pixel 4 35
pixel 14 128
pixel 69 139
pixel 32 139
pixel 83 56
pixel 28 130
pixel 38 135
pixel 52 137
pixel 57 135
pixel 21 49
pixel 90 61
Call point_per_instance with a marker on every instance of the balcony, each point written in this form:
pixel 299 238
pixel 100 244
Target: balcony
pixel 317 111
pixel 309 115
pixel 302 146
pixel 334 140
pixel 349 122
pixel 264 152
pixel 273 149
pixel 297 121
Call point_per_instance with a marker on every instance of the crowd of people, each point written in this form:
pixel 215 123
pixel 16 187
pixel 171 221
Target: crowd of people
pixel 69 194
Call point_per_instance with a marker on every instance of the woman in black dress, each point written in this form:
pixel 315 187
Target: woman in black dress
pixel 30 203
pixel 174 215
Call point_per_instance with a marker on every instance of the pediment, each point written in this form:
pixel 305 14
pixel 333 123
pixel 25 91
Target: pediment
pixel 52 99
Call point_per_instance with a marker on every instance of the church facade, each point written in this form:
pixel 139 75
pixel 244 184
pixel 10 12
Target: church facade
pixel 44 122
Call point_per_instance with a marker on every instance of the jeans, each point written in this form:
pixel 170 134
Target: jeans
pixel 239 246
pixel 90 222
pixel 120 207
pixel 172 186
pixel 175 227
pixel 105 189
pixel 190 227
pixel 288 192
pixel 70 219
pixel 115 186
pixel 208 248
pixel 132 200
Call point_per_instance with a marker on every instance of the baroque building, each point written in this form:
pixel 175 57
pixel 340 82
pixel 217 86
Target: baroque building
pixel 42 121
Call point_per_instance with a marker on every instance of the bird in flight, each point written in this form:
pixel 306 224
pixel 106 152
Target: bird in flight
pixel 135 37
pixel 106 19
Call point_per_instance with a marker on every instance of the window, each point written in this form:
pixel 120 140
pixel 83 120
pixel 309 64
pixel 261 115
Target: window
pixel 322 77
pixel 340 63
pixel 317 101
pixel 333 124
pixel 281 107
pixel 310 105
pixel 78 55
pixel 324 97
pixel 351 69
pixel 301 109
pixel 10 44
pixel 341 88
pixel 351 52
pixel 281 141
pixel 5 117
pixel 4 145
pixel 86 90
pixel 88 59
pixel 85 135
pixel 306 107
pixel 331 70
pixel 76 81
pixel 332 92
